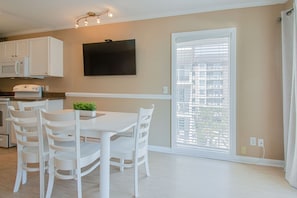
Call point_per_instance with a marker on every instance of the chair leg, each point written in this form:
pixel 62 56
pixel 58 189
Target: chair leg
pixel 24 177
pixel 51 179
pixel 18 177
pixel 41 178
pixel 79 190
pixel 136 179
pixel 122 164
pixel 50 185
pixel 147 169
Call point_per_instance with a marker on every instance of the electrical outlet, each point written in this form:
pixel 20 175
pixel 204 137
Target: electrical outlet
pixel 261 142
pixel 46 88
pixel 165 90
pixel 243 150
pixel 253 141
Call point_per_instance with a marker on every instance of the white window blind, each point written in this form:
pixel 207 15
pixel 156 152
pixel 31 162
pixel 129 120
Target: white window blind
pixel 202 92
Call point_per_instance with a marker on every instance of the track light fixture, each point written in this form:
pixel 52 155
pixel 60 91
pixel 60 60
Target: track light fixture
pixel 92 15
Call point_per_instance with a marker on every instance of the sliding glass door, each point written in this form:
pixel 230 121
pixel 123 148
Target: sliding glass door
pixel 203 82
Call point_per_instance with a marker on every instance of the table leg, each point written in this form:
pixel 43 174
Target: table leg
pixel 105 165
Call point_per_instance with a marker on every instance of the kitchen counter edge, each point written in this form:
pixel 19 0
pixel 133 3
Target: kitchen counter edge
pixel 45 96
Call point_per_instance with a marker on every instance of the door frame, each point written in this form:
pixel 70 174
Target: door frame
pixel 207 153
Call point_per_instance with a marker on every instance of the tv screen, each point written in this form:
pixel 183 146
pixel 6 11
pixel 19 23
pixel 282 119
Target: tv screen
pixel 109 58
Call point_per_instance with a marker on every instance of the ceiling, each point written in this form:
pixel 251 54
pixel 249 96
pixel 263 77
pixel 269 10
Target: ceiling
pixel 28 16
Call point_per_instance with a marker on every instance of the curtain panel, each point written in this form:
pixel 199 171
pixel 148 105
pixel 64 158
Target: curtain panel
pixel 289 93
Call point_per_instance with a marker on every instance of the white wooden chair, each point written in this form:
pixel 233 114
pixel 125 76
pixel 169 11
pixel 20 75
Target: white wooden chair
pixel 30 147
pixel 69 158
pixel 133 151
pixel 31 105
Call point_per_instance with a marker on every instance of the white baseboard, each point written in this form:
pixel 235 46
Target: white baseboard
pixel 237 158
pixel 160 149
pixel 259 161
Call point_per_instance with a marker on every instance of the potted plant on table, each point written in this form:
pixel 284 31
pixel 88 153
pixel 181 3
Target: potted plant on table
pixel 85 108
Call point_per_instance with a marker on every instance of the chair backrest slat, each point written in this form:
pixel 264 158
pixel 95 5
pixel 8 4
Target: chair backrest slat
pixel 142 130
pixel 32 105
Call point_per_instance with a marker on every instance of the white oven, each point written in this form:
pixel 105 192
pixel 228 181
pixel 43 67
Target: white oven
pixel 23 91
pixel 5 133
pixel 14 67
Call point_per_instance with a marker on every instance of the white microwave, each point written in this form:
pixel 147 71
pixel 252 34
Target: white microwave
pixel 14 67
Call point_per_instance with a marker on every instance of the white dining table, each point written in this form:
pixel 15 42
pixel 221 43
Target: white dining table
pixel 104 126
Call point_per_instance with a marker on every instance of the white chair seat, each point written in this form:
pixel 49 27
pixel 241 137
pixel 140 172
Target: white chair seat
pixel 122 146
pixel 88 152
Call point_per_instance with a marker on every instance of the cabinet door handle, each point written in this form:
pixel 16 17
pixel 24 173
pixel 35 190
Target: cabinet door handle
pixel 17 67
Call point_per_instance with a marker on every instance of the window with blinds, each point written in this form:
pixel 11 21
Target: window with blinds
pixel 202 64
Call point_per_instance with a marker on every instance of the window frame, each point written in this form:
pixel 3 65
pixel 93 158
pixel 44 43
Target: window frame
pixel 204 34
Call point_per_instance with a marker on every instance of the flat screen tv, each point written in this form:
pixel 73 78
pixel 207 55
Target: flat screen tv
pixel 109 58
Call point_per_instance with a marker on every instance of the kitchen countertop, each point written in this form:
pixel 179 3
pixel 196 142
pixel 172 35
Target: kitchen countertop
pixel 45 96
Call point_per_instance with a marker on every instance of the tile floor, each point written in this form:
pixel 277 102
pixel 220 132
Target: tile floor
pixel 172 176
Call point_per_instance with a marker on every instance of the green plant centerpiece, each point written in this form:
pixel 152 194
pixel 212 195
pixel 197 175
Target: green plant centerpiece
pixel 85 108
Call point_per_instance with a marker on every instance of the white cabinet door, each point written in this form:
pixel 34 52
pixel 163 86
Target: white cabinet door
pixel 10 49
pixel 22 48
pixel 39 56
pixel 46 57
pixel 19 48
pixel 2 50
pixel 54 105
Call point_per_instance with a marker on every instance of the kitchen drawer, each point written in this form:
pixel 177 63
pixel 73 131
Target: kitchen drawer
pixel 4 140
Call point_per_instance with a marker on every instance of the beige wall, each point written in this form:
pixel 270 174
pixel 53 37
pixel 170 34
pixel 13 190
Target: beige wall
pixel 259 100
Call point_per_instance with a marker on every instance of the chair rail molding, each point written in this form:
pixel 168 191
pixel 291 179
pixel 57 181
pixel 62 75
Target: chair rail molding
pixel 119 95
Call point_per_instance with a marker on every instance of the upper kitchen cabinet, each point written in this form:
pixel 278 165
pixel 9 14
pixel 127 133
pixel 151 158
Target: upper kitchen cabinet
pixel 12 49
pixel 46 57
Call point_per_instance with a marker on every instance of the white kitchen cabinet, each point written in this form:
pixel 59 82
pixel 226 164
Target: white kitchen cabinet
pixel 46 57
pixel 17 48
pixel 54 105
pixel 2 50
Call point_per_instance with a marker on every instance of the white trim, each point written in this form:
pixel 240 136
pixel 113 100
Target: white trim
pixel 236 158
pixel 195 9
pixel 173 89
pixel 233 66
pixel 118 95
pixel 259 161
pixel 184 36
pixel 232 6
pixel 199 9
pixel 160 149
